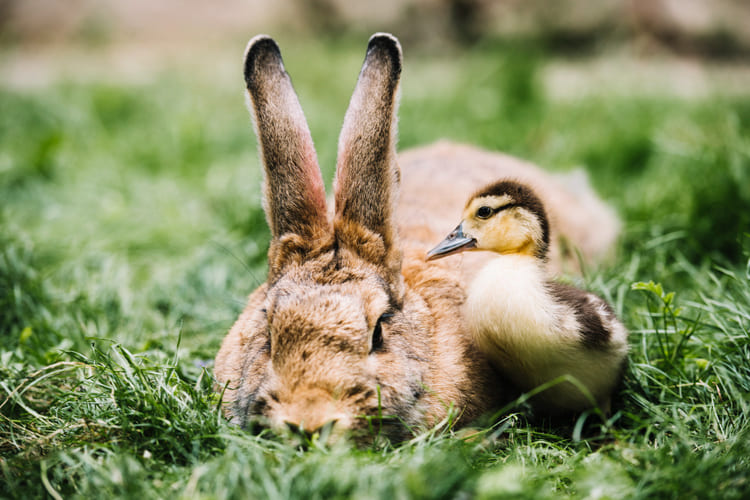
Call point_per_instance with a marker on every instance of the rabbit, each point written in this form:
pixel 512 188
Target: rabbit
pixel 354 332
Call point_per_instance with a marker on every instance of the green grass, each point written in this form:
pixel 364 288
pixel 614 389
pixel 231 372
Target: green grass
pixel 131 232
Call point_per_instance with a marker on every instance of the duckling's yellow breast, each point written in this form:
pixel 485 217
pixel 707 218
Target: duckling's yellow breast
pixel 509 310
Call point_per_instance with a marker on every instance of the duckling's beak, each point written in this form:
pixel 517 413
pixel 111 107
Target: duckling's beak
pixel 455 242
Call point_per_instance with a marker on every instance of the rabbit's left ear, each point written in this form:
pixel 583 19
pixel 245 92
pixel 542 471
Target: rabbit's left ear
pixel 294 198
pixel 367 175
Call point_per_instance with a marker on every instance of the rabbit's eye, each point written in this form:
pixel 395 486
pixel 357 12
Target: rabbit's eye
pixel 484 212
pixel 377 334
pixel 377 338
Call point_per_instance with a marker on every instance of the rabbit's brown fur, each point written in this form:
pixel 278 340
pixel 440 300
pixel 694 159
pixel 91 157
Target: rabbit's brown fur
pixel 352 322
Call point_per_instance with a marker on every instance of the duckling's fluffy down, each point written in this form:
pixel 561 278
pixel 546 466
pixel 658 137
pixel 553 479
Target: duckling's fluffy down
pixel 535 337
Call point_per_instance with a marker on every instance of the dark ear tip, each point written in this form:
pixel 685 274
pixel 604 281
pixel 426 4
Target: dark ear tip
pixel 260 46
pixel 388 45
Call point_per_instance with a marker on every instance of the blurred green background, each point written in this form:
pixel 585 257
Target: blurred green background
pixel 128 167
pixel 130 215
pixel 129 175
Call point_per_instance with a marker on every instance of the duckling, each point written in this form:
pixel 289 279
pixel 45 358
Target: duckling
pixel 532 328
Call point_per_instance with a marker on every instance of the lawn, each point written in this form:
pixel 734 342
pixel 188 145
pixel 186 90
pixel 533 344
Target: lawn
pixel 131 233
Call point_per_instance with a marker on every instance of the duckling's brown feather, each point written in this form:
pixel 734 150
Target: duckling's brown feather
pixel 588 310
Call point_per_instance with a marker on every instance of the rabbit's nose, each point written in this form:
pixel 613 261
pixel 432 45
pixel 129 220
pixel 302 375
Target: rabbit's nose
pixel 320 432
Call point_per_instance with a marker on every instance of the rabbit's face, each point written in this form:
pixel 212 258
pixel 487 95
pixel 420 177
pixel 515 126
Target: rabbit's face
pixel 339 354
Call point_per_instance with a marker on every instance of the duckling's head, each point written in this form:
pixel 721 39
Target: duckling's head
pixel 506 217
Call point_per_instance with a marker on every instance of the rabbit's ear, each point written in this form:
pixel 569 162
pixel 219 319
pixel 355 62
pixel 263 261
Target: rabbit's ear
pixel 294 196
pixel 367 174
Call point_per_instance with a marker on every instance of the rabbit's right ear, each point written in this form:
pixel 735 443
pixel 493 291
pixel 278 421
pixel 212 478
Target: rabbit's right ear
pixel 294 193
pixel 367 175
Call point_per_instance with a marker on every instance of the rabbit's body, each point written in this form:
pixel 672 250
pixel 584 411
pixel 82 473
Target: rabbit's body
pixel 353 328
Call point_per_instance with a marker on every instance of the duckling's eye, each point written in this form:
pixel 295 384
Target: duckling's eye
pixel 377 334
pixel 484 212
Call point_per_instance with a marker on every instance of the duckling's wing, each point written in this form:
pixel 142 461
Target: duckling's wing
pixel 597 320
